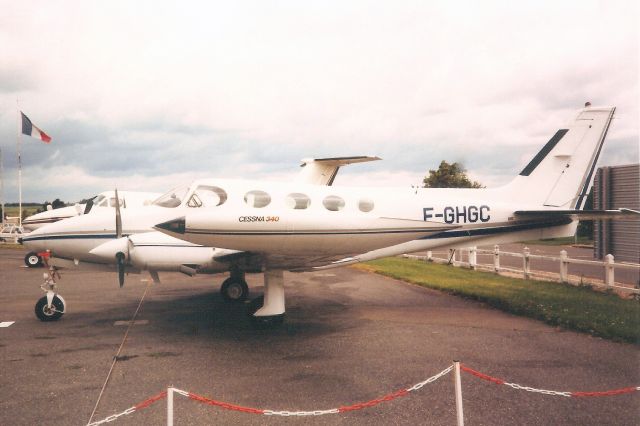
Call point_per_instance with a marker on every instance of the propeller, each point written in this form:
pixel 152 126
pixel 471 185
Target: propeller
pixel 120 256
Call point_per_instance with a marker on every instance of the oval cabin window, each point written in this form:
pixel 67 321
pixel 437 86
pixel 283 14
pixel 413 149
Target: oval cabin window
pixel 365 205
pixel 257 199
pixel 297 201
pixel 333 203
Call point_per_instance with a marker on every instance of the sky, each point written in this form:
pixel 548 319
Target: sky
pixel 147 95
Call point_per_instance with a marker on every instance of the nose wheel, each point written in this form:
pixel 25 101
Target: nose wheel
pixel 52 306
pixel 50 311
pixel 32 260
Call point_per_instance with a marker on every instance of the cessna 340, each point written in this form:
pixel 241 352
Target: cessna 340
pixel 129 244
pixel 295 227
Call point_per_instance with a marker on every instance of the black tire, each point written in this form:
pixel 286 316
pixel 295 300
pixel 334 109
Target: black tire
pixel 45 314
pixel 32 260
pixel 234 290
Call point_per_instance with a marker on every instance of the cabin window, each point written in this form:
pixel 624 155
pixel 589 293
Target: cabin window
pixel 297 201
pixel 207 196
pixel 257 199
pixel 365 205
pixel 333 203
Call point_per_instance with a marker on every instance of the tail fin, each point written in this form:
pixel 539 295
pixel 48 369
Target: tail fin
pixel 562 172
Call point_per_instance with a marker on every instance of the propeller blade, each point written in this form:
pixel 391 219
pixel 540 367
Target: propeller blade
pixel 118 217
pixel 121 266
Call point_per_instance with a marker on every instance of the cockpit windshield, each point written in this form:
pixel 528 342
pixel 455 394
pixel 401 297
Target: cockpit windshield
pixel 172 198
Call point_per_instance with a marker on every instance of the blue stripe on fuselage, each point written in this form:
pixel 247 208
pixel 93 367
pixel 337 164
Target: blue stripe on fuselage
pixel 477 232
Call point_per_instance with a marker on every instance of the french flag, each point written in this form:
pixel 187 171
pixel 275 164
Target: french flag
pixel 29 129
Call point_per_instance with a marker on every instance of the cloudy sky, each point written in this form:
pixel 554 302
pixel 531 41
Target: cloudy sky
pixel 144 95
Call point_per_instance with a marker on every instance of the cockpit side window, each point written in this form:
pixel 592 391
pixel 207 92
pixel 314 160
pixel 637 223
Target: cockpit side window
pixel 101 201
pixel 172 198
pixel 207 196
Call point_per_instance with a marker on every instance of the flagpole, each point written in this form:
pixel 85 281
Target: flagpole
pixel 19 142
pixel 2 187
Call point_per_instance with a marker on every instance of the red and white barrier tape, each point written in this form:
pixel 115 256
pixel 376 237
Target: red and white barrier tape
pixel 131 410
pixel 548 392
pixel 361 405
pixel 343 409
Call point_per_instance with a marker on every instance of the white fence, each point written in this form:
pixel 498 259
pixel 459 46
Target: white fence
pixel 608 265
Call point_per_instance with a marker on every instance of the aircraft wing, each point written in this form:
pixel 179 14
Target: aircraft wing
pixel 323 171
pixel 580 214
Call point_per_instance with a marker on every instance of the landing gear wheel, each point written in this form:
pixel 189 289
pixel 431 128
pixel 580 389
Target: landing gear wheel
pixel 53 313
pixel 270 321
pixel 234 290
pixel 32 260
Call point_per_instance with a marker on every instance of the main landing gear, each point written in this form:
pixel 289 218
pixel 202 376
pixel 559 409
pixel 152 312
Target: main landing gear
pixel 268 310
pixel 235 288
pixel 51 306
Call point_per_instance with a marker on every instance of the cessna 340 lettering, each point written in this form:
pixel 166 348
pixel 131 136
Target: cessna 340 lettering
pixel 129 244
pixel 295 227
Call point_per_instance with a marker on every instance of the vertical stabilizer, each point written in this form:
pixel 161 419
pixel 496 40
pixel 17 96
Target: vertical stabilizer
pixel 562 172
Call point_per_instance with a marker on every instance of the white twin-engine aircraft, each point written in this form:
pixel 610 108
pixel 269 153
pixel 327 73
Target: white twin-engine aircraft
pixel 300 226
pixel 284 226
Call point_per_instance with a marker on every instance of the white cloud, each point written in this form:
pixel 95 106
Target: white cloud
pixel 145 89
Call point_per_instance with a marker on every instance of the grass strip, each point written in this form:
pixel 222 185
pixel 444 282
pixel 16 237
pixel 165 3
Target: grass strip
pixel 575 308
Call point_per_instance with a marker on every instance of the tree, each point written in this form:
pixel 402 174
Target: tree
pixel 56 204
pixel 449 176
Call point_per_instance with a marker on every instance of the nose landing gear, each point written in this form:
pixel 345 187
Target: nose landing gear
pixel 52 306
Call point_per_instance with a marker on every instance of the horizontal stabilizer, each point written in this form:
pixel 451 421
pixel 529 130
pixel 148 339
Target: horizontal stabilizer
pixel 323 171
pixel 581 214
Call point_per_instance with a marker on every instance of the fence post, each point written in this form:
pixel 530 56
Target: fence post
pixel 458 390
pixel 496 258
pixel 525 263
pixel 429 256
pixel 564 267
pixel 609 270
pixel 473 257
pixel 170 406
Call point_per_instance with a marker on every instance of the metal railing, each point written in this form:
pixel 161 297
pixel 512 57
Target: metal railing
pixel 608 265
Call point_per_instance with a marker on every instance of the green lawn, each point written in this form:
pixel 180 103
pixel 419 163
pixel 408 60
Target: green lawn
pixel 575 308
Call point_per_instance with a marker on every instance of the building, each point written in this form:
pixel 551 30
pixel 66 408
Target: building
pixel 617 187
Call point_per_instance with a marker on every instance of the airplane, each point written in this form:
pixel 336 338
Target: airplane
pixel 126 242
pixel 104 199
pixel 298 227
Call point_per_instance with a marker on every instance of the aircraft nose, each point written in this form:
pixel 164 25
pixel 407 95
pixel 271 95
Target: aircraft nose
pixel 176 226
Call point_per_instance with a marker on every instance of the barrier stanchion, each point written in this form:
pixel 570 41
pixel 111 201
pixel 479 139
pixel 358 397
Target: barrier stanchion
pixel 170 406
pixel 458 390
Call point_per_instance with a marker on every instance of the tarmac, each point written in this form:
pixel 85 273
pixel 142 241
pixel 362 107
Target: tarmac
pixel 349 336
